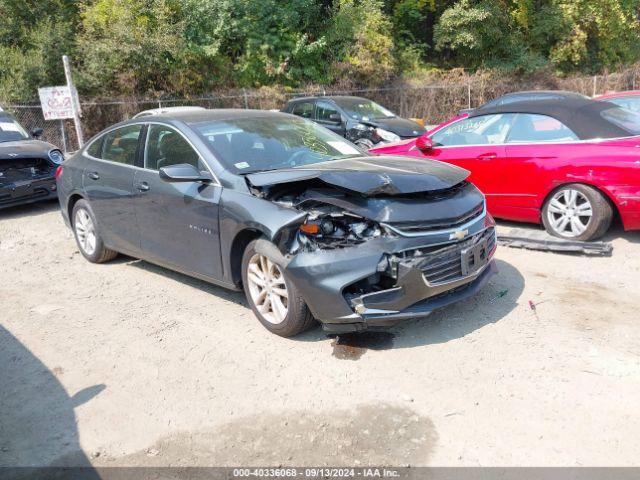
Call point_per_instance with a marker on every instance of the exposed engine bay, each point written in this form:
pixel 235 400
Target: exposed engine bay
pixel 326 226
pixel 337 217
pixel 24 169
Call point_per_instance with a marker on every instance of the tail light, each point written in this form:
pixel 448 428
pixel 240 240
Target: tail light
pixel 58 172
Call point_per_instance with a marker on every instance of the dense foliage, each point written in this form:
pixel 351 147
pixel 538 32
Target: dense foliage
pixel 120 47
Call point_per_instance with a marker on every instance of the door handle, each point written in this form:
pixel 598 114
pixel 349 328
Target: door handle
pixel 93 175
pixel 143 186
pixel 487 156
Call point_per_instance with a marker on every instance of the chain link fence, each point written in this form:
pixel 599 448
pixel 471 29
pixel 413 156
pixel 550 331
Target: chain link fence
pixel 431 103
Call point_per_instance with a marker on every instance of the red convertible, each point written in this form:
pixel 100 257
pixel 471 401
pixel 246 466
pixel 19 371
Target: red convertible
pixel 571 164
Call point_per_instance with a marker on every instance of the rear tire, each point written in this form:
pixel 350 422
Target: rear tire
pixel 85 231
pixel 577 212
pixel 272 297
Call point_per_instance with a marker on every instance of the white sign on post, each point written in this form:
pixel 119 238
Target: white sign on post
pixel 57 102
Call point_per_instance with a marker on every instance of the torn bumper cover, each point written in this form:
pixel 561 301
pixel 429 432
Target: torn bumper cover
pixel 26 191
pixel 387 280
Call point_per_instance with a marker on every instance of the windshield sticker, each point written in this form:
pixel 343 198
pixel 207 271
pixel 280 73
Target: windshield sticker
pixel 9 127
pixel 241 165
pixel 309 138
pixel 344 148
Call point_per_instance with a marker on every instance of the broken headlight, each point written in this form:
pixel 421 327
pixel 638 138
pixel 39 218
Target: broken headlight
pixel 386 135
pixel 336 231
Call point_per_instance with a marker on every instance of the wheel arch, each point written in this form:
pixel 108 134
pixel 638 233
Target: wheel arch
pixel 71 202
pixel 605 194
pixel 239 244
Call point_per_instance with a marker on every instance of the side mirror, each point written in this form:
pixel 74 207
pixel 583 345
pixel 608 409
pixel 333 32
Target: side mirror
pixel 184 172
pixel 335 117
pixel 36 132
pixel 424 143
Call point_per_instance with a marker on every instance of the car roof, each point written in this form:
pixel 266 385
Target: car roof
pixel 327 97
pixel 197 116
pixel 581 115
pixel 161 110
pixel 567 93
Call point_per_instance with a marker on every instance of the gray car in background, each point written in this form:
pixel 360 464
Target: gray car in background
pixel 309 226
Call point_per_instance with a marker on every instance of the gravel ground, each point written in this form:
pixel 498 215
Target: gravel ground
pixel 127 364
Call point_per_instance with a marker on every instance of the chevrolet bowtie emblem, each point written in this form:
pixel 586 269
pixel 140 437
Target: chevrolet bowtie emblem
pixel 458 234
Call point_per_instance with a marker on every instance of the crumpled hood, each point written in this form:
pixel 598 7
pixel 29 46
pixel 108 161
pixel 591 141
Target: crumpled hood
pixel 24 149
pixel 371 175
pixel 397 125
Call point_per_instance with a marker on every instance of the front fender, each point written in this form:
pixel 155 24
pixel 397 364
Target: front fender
pixel 242 211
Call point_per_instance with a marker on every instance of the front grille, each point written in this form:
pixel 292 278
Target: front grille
pixel 414 227
pixel 448 264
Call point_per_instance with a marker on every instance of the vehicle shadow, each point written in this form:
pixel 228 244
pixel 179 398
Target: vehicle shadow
pixel 491 304
pixel 617 232
pixel 498 298
pixel 29 210
pixel 38 428
pixel 210 288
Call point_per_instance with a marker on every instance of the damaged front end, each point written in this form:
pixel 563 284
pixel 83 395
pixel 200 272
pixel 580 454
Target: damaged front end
pixel 25 179
pixel 376 247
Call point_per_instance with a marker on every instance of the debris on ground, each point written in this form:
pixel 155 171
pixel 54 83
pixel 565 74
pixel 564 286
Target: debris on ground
pixel 541 240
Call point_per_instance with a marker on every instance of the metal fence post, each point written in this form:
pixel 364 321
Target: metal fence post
pixel 75 103
pixel 246 100
pixel 64 136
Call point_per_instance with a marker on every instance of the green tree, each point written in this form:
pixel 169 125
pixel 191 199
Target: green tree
pixel 360 41
pixel 131 47
pixel 596 34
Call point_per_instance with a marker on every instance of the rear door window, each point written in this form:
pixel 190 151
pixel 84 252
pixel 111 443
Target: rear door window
pixel 534 128
pixel 623 118
pixel 95 149
pixel 303 109
pixel 630 103
pixel 324 111
pixel 121 145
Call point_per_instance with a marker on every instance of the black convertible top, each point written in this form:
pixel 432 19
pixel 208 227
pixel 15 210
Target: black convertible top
pixel 581 115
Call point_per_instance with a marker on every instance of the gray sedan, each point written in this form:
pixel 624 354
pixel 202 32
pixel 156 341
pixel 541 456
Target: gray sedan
pixel 312 228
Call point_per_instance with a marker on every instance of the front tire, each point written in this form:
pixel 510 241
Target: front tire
pixel 577 212
pixel 272 297
pixel 86 233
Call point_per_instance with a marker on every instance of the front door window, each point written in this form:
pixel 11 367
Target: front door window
pixel 481 130
pixel 167 147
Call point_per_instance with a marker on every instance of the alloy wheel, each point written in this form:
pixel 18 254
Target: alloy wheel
pixel 569 212
pixel 268 289
pixel 85 231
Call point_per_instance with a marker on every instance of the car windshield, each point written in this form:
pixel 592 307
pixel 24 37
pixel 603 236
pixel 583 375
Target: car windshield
pixel 246 145
pixel 11 130
pixel 362 109
pixel 626 119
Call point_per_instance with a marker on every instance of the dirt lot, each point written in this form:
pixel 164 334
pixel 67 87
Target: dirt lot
pixel 130 364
